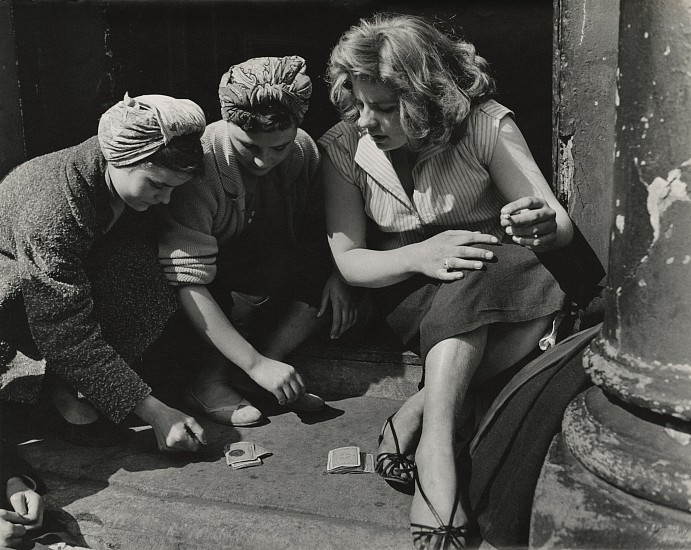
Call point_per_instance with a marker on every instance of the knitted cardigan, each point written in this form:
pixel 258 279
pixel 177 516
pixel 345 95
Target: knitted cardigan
pixel 206 214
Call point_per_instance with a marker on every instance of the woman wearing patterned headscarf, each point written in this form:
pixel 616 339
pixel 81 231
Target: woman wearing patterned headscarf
pixel 245 248
pixel 80 285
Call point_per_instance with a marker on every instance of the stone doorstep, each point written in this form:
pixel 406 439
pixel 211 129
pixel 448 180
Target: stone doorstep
pixel 347 370
pixel 116 517
pixel 134 498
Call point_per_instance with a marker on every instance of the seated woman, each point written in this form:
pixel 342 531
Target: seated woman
pixel 80 285
pixel 434 200
pixel 21 507
pixel 245 247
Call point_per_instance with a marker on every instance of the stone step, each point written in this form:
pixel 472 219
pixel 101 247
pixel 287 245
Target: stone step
pixel 130 520
pixel 132 497
pixel 354 369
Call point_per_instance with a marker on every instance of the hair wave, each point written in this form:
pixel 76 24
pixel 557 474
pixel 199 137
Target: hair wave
pixel 436 77
pixel 181 154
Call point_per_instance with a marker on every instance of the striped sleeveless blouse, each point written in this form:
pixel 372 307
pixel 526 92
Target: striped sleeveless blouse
pixel 453 188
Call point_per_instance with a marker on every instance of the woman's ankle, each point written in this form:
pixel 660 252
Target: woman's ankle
pixel 407 429
pixel 437 475
pixel 216 393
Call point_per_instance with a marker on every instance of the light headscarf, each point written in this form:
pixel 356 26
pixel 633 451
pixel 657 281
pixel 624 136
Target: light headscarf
pixel 264 81
pixel 136 128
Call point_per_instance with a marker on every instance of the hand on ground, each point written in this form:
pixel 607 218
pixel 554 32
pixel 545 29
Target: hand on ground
pixel 26 514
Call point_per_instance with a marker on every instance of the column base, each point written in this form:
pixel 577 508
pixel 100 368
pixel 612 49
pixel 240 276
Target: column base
pixel 575 509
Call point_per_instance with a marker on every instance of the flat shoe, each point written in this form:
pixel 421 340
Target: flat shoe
pixel 101 433
pixel 242 414
pixel 308 402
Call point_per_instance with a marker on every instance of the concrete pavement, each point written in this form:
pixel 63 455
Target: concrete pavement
pixel 133 497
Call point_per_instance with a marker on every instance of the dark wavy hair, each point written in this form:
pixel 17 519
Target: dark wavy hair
pixel 436 77
pixel 181 154
pixel 269 118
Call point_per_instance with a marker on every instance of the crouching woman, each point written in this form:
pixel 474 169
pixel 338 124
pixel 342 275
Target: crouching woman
pixel 80 285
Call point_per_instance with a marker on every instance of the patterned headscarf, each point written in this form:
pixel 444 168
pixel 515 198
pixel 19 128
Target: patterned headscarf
pixel 136 128
pixel 264 81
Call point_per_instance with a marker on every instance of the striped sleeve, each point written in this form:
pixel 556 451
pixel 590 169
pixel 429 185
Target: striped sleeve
pixel 187 247
pixel 305 158
pixel 339 144
pixel 483 129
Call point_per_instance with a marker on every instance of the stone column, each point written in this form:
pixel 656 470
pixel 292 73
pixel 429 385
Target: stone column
pixel 585 44
pixel 620 475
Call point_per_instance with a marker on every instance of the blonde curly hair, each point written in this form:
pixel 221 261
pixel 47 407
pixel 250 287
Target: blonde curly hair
pixel 436 77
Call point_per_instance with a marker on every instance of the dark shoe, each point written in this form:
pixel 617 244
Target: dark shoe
pixel 396 469
pixel 101 433
pixel 443 537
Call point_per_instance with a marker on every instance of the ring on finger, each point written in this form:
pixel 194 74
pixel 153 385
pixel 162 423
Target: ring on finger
pixel 446 264
pixel 535 232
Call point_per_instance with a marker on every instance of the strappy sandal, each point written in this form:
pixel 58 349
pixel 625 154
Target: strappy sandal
pixel 396 469
pixel 446 536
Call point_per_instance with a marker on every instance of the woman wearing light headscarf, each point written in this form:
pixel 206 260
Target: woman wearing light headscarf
pixel 245 247
pixel 80 286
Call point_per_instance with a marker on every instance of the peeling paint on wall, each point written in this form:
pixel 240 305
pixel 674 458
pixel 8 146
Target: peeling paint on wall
pixel 619 221
pixel 680 437
pixel 662 193
pixel 566 168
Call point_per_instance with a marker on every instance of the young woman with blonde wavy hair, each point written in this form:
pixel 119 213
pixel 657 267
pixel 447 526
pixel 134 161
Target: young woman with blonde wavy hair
pixel 434 200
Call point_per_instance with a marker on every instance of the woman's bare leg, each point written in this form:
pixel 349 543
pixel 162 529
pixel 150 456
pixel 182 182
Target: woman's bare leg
pixel 449 368
pixel 74 410
pixel 510 342
pixel 297 324
pixel 507 343
pixel 407 423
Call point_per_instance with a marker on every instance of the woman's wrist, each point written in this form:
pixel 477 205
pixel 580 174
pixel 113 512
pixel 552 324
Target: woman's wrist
pixel 146 408
pixel 410 258
pixel 253 361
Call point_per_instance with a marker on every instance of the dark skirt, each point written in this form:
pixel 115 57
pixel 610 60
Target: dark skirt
pixel 512 288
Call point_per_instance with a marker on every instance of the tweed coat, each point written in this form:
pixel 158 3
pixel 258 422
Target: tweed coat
pixel 86 301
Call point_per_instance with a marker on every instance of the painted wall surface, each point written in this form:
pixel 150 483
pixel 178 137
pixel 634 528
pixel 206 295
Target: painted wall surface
pixel 11 136
pixel 585 65
pixel 181 49
pixel 62 66
pixel 650 270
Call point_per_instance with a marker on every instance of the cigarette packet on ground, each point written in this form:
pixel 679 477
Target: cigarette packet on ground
pixel 349 460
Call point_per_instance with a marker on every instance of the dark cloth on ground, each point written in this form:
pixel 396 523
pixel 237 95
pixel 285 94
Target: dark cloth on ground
pixel 504 459
pixel 514 287
pixel 263 268
pixel 86 302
